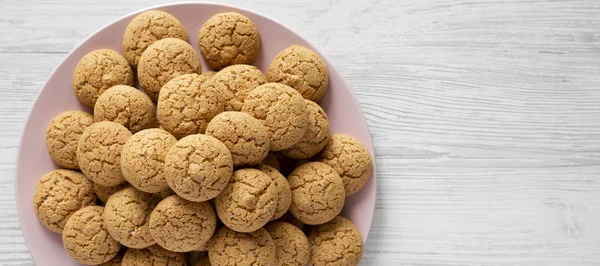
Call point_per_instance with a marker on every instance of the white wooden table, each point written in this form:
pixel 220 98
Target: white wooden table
pixel 485 116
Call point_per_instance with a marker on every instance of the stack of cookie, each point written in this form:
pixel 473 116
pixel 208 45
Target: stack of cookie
pixel 201 168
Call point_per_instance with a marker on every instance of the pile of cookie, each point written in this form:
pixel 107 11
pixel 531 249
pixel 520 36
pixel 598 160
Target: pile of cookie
pixel 192 171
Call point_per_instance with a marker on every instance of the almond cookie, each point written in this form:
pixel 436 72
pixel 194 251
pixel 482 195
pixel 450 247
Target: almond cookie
pixel 126 217
pixel 350 159
pixel 185 108
pixel 99 152
pixel 235 82
pixel 143 157
pixel 104 192
pixel 164 60
pixel 153 255
pixel 146 28
pixel 208 74
pixel 85 238
pixel 271 160
pixel 179 225
pixel 58 195
pixel 301 69
pixel 63 134
pixel 337 242
pixel 198 167
pixel 248 202
pixel 230 248
pixel 127 106
pixel 282 188
pixel 291 244
pixel 316 136
pixel 245 137
pixel 317 193
pixel 99 70
pixel 227 39
pixel 281 110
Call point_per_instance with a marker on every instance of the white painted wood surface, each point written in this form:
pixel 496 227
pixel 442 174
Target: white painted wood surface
pixel 485 115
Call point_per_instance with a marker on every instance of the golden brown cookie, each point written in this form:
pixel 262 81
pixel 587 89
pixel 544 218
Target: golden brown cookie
pixel 282 188
pixel 350 159
pixel 62 136
pixel 146 28
pixel 104 192
pixel 153 255
pixel 336 243
pixel 143 157
pixel 301 69
pixel 99 152
pixel 227 39
pixel 179 225
pixel 126 217
pixel 127 106
pixel 271 160
pixel 198 167
pixel 164 60
pixel 245 137
pixel 248 202
pixel 317 193
pixel 208 74
pixel 230 248
pixel 281 110
pixel 58 195
pixel 99 70
pixel 85 238
pixel 117 260
pixel 316 136
pixel 185 108
pixel 234 83
pixel 292 248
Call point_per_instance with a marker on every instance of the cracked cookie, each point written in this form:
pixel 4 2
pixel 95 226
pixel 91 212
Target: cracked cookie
pixel 153 255
pixel 316 136
pixel 58 194
pixel 103 192
pixel 234 83
pixel 228 39
pixel 164 60
pixel 143 157
pixel 97 71
pixel 282 188
pixel 62 136
pixel 317 193
pixel 127 106
pixel 291 244
pixel 245 137
pixel 337 242
pixel 230 248
pixel 85 238
pixel 198 167
pixel 179 225
pixel 147 28
pixel 281 110
pixel 350 159
pixel 301 69
pixel 208 74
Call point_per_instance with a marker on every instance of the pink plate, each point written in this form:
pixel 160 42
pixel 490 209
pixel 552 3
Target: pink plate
pixel 57 96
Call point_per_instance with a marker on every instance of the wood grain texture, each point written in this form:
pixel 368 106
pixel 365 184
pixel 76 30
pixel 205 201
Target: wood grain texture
pixel 485 116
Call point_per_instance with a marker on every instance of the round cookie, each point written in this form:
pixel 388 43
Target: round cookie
pixel 179 225
pixel 350 159
pixel 230 248
pixel 103 192
pixel 164 60
pixel 85 238
pixel 143 157
pixel 245 137
pixel 185 108
pixel 208 74
pixel 153 255
pixel 301 69
pixel 317 193
pixel 99 152
pixel 316 136
pixel 282 188
pixel 292 248
pixel 337 242
pixel 127 106
pixel 198 167
pixel 146 28
pixel 126 217
pixel 271 160
pixel 281 110
pixel 63 134
pixel 58 194
pixel 228 39
pixel 235 82
pixel 248 202
pixel 99 70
